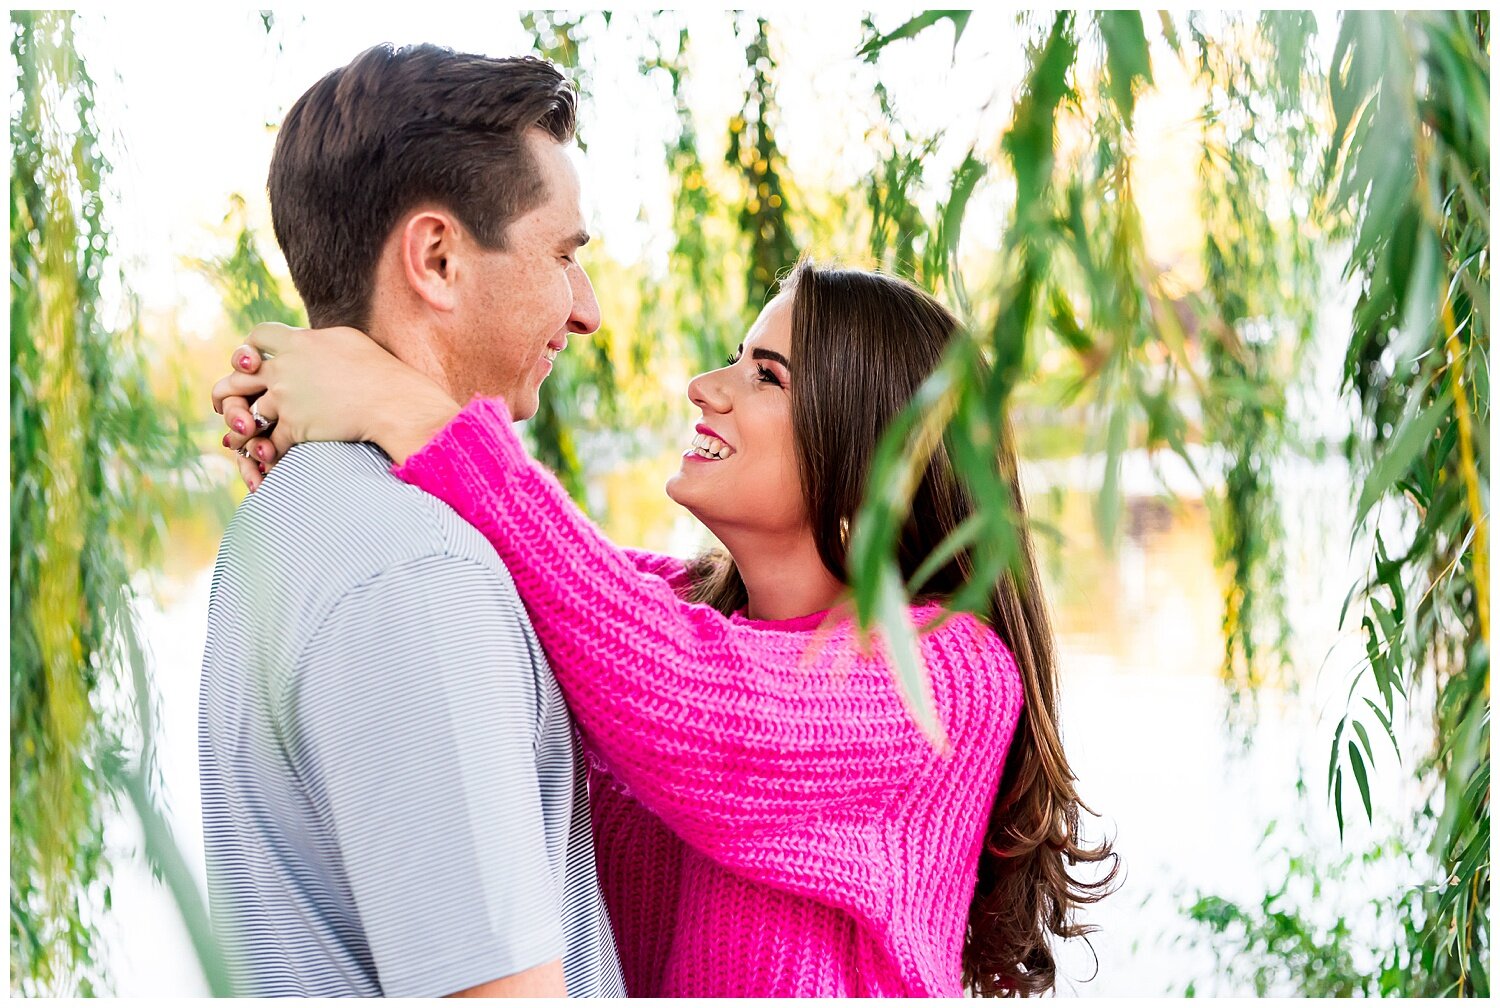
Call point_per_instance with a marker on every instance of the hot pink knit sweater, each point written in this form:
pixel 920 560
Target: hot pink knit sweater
pixel 770 820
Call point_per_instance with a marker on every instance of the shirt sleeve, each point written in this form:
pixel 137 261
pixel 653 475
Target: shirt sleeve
pixel 413 717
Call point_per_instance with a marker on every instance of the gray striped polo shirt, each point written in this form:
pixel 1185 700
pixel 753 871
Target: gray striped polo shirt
pixel 393 798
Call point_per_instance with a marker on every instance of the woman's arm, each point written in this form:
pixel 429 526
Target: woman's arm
pixel 724 730
pixel 640 870
pixel 672 570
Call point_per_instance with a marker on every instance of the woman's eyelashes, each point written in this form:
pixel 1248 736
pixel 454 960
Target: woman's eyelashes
pixel 762 373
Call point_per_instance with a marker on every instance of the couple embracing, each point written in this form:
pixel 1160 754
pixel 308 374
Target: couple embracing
pixel 455 741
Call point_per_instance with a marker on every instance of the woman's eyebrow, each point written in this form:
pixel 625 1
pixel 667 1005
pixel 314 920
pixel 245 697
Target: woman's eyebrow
pixel 772 355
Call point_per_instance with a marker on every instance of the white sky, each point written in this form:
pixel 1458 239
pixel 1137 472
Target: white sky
pixel 193 96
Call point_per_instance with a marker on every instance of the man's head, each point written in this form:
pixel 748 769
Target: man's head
pixel 431 191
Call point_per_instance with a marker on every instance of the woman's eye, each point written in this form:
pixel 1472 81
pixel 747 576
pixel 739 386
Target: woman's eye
pixel 765 374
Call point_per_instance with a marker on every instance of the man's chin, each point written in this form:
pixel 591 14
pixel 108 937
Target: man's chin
pixel 522 405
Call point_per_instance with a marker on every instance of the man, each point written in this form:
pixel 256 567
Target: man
pixel 393 797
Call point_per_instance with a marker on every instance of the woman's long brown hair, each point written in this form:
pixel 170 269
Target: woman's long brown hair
pixel 862 343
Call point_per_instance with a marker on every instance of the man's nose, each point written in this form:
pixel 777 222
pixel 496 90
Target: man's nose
pixel 585 315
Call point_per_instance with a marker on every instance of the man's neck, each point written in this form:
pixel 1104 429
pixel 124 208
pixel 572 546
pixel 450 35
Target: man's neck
pixel 413 343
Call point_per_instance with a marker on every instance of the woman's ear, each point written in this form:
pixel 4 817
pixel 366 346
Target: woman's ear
pixel 428 247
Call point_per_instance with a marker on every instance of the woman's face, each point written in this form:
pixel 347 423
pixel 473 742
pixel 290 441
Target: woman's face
pixel 740 470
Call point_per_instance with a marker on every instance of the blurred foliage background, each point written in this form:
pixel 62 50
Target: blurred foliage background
pixel 1335 160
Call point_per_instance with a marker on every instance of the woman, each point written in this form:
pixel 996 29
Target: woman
pixel 770 818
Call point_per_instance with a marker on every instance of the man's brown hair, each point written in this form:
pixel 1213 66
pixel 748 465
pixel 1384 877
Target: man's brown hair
pixel 396 127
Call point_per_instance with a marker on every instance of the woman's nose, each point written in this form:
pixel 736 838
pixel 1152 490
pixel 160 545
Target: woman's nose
pixel 708 394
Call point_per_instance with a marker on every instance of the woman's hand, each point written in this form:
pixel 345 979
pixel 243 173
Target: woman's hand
pixel 323 385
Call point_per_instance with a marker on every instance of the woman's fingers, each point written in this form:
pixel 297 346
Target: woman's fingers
pixel 236 411
pixel 245 359
pixel 234 442
pixel 255 449
pixel 249 472
pixel 270 338
pixel 237 385
pixel 238 419
pixel 281 443
pixel 263 450
pixel 266 407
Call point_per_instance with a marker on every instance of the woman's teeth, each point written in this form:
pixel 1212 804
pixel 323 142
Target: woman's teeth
pixel 711 447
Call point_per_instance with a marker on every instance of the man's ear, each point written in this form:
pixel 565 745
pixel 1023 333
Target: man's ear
pixel 428 246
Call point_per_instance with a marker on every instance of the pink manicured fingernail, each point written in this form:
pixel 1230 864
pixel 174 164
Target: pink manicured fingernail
pixel 245 361
pixel 261 451
pixel 262 470
pixel 226 440
pixel 239 424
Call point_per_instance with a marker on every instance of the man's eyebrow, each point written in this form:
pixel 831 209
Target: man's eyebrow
pixel 772 355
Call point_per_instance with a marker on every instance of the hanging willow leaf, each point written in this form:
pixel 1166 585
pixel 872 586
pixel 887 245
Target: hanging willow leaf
pixel 1028 143
pixel 169 865
pixel 965 177
pixel 1385 722
pixel 1362 779
pixel 901 644
pixel 1127 56
pixel 955 542
pixel 95 457
pixel 1403 448
pixel 911 29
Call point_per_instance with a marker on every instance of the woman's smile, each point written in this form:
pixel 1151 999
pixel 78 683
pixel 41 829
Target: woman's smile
pixel 708 446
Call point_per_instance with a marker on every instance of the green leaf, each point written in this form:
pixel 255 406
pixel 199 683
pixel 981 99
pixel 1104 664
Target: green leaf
pixel 1029 141
pixel 961 538
pixel 1419 316
pixel 965 178
pixel 1387 620
pixel 1064 322
pixel 1357 763
pixel 1338 801
pixel 169 865
pixel 1385 722
pixel 1359 729
pixel 901 642
pixel 1169 32
pixel 1402 449
pixel 1109 491
pixel 1126 55
pixel 1333 752
pixel 915 27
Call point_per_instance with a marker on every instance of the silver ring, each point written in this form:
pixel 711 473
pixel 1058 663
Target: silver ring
pixel 261 423
pixel 242 453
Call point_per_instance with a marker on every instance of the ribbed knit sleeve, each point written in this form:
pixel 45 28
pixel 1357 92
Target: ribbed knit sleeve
pixel 638 857
pixel 669 568
pixel 773 757
pixel 640 870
